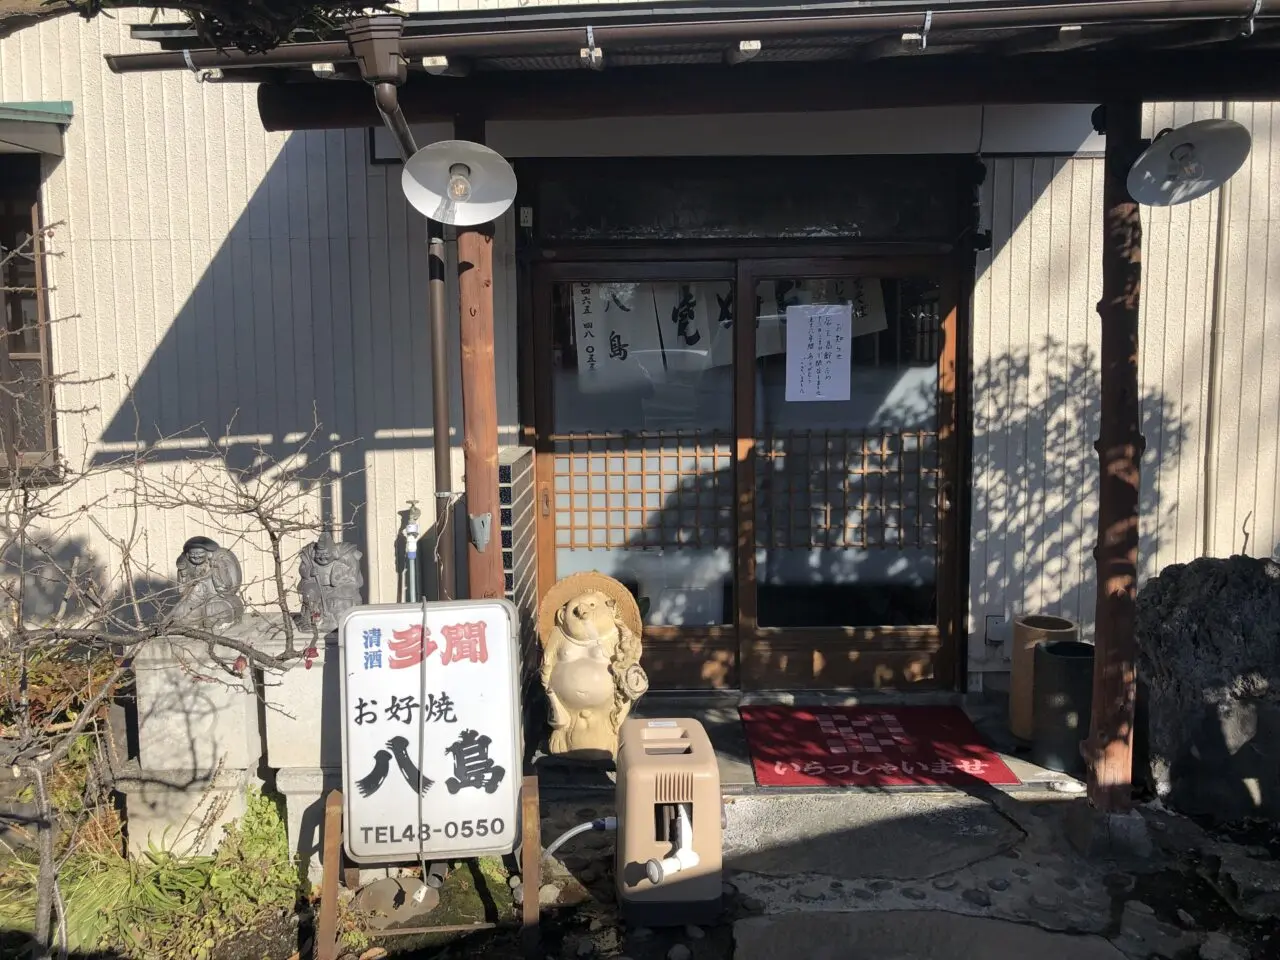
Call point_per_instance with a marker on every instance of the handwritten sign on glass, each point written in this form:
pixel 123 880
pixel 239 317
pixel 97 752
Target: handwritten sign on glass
pixel 818 356
pixel 430 730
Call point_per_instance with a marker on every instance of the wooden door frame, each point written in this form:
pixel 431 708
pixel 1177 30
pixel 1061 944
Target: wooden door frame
pixel 742 264
pixel 714 647
pixel 764 651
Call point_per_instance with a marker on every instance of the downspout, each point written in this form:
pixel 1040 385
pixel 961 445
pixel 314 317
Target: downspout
pixel 1217 312
pixel 386 96
pixel 375 41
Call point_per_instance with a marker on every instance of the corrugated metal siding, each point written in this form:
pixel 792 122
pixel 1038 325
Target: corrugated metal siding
pixel 1035 392
pixel 216 274
pixel 1245 517
pixel 1036 380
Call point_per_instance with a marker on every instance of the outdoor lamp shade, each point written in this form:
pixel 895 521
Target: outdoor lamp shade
pixel 1187 162
pixel 427 175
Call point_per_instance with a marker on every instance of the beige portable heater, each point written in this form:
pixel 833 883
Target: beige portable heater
pixel 669 855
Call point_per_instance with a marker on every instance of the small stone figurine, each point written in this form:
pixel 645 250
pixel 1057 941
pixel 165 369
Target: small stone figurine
pixel 329 582
pixel 209 580
pixel 592 675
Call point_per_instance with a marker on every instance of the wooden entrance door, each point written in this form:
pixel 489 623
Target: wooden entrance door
pixel 634 418
pixel 846 549
pixel 778 543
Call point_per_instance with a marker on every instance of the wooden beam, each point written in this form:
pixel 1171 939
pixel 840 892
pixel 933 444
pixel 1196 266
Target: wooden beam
pixel 1109 750
pixel 479 399
pixel 936 80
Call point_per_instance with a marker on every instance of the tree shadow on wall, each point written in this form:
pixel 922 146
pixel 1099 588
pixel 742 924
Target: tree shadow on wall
pixel 1029 534
pixel 1036 480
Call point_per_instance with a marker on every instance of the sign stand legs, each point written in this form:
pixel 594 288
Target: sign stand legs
pixel 531 864
pixel 327 925
pixel 530 868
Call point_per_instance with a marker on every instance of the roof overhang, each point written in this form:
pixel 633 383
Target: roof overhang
pixel 758 56
pixel 34 127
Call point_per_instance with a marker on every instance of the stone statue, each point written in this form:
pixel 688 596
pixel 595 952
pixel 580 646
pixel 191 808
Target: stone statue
pixel 329 582
pixel 209 581
pixel 591 672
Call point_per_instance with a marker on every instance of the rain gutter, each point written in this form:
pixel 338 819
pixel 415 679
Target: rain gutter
pixel 782 24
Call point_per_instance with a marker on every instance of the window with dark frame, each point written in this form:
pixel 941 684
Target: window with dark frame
pixel 26 393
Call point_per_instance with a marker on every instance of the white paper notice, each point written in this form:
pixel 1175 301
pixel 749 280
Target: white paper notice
pixel 818 360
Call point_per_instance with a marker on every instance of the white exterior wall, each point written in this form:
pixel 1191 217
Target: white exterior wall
pixel 215 268
pixel 220 274
pixel 1036 339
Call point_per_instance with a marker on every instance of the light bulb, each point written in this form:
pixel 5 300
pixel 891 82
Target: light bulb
pixel 1185 163
pixel 459 189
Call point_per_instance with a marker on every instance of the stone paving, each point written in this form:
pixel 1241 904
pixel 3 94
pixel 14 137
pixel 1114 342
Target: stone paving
pixel 904 876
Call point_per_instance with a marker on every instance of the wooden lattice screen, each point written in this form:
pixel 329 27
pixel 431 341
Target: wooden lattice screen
pixel 652 489
pixel 836 490
pixel 827 490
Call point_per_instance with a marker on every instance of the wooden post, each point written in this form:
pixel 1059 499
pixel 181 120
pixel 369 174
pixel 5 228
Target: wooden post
pixel 479 411
pixel 1109 750
pixel 327 927
pixel 531 865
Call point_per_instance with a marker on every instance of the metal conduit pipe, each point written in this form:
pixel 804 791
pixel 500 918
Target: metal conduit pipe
pixel 569 40
pixel 441 449
pixel 1218 310
pixel 386 96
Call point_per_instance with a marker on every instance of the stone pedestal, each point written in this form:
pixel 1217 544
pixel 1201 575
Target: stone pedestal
pixel 193 716
pixel 304 790
pixel 198 746
pixel 302 708
pixel 302 719
pixel 172 810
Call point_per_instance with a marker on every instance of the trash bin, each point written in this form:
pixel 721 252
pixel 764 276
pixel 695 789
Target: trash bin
pixel 1063 701
pixel 1028 633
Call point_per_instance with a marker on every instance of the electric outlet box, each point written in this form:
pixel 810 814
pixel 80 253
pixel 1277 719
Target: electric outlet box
pixel 670 860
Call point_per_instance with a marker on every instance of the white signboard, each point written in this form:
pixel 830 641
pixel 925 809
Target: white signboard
pixel 431 752
pixel 818 357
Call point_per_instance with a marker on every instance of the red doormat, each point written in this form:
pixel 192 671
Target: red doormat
pixel 869 747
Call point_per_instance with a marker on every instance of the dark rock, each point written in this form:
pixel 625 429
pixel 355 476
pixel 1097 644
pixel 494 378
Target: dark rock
pixel 815 890
pixel 1218 946
pixel 1118 884
pixel 880 886
pixel 752 905
pixel 1066 883
pixel 864 894
pixel 946 883
pixel 1252 887
pixel 911 893
pixel 999 884
pixel 1209 633
pixel 979 898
